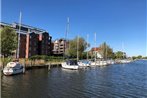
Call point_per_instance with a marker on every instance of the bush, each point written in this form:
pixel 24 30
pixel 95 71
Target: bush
pixel 47 58
pixel 6 60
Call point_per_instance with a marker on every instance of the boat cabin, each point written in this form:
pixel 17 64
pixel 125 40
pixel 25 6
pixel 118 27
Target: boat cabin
pixel 71 62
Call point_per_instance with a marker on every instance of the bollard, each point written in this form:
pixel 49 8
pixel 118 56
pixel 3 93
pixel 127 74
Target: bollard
pixel 24 66
pixel 49 66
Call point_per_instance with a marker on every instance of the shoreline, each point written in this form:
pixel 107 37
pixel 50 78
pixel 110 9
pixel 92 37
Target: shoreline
pixel 43 66
pixel 37 64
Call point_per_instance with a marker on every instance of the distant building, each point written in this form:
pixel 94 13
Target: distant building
pixel 59 47
pixel 33 41
pixel 96 50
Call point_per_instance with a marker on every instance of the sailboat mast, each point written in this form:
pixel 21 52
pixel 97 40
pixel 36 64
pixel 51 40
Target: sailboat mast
pixel 19 35
pixel 87 46
pixel 67 28
pixel 66 34
pixel 95 44
pixel 123 49
pixel 77 48
pixel 106 51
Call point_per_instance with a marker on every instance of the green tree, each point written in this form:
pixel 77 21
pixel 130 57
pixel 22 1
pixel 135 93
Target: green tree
pixel 8 41
pixel 72 49
pixel 134 57
pixel 145 57
pixel 139 57
pixel 84 55
pixel 106 51
pixel 120 55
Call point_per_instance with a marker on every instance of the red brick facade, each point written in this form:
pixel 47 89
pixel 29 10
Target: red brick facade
pixel 34 44
pixel 33 41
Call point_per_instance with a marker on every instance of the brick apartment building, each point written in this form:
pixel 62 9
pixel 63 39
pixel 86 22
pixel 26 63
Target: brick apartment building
pixel 59 46
pixel 33 41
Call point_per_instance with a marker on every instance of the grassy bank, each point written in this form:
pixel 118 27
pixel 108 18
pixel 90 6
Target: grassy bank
pixel 35 61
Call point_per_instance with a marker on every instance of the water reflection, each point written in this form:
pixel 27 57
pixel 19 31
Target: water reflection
pixel 119 80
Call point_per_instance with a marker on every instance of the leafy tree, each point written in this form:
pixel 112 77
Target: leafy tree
pixel 145 57
pixel 84 55
pixel 120 55
pixel 106 51
pixel 134 57
pixel 8 41
pixel 72 50
pixel 139 57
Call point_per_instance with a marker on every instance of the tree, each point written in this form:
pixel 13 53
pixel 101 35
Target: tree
pixel 84 55
pixel 106 51
pixel 139 57
pixel 120 55
pixel 72 50
pixel 8 41
pixel 134 57
pixel 145 57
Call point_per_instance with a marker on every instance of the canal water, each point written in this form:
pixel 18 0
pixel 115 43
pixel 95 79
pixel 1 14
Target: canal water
pixel 115 81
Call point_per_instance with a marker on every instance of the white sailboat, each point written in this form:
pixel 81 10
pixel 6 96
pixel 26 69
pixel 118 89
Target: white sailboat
pixel 83 63
pixel 95 62
pixel 98 62
pixel 124 60
pixel 107 61
pixel 69 64
pixel 15 67
pixel 110 62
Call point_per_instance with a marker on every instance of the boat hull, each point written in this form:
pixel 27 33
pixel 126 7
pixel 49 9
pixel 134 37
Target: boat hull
pixel 99 63
pixel 13 68
pixel 13 71
pixel 72 67
pixel 83 64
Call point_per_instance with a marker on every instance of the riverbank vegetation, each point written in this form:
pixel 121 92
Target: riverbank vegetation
pixel 138 57
pixel 36 60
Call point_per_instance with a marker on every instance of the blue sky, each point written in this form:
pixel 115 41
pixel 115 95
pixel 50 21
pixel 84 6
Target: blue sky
pixel 114 21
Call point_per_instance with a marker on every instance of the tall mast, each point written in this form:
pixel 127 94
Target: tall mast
pixel 67 28
pixel 123 49
pixel 87 46
pixel 106 51
pixel 19 35
pixel 66 34
pixel 77 48
pixel 95 44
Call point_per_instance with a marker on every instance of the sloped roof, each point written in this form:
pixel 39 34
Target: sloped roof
pixel 95 49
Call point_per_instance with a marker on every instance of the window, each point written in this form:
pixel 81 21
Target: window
pixel 29 54
pixel 30 49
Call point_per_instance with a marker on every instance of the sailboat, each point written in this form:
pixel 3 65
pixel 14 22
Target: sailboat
pixel 95 62
pixel 15 67
pixel 69 64
pixel 83 63
pixel 124 60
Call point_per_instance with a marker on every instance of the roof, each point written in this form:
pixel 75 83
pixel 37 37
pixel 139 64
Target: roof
pixel 32 29
pixel 5 24
pixel 59 40
pixel 95 49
